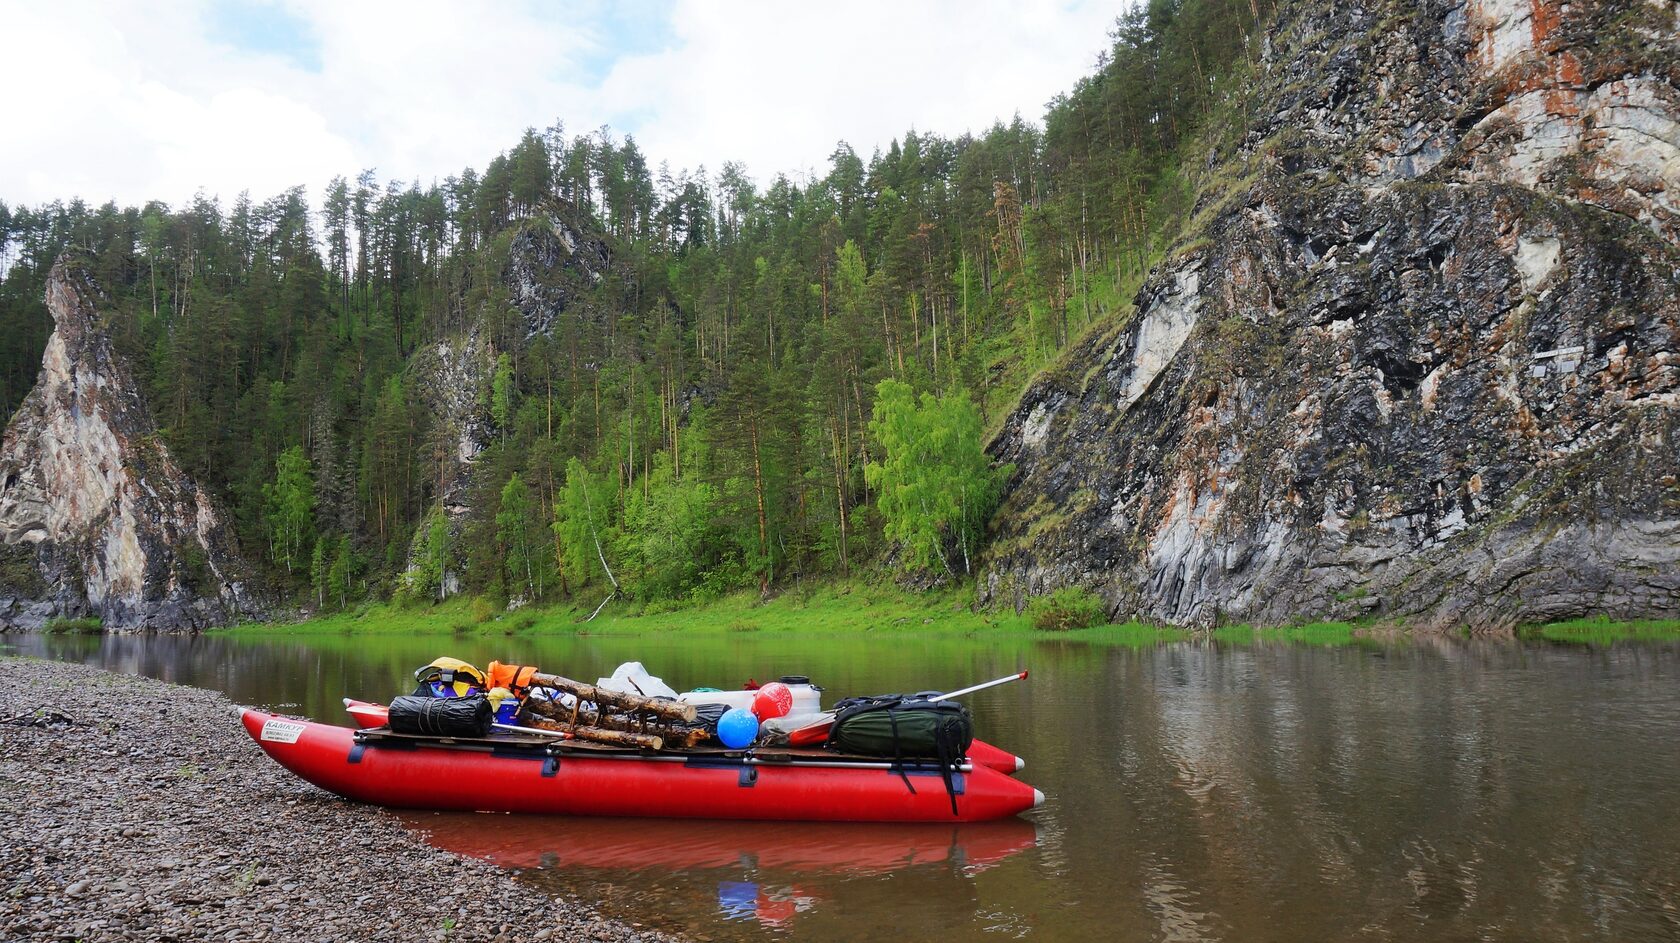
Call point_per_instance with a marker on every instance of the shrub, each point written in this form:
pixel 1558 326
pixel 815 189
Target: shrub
pixel 1070 607
pixel 91 625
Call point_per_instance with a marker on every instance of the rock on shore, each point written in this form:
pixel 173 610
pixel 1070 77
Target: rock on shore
pixel 140 810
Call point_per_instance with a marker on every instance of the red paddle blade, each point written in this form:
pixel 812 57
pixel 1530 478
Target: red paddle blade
pixel 811 734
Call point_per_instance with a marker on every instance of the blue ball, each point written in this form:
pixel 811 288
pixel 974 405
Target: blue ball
pixel 738 728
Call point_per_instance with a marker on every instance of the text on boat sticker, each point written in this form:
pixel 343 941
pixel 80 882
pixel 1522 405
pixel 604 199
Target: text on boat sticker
pixel 281 731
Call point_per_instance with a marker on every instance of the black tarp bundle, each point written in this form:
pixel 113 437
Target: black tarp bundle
pixel 442 716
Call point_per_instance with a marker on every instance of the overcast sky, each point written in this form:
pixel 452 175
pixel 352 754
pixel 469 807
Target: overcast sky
pixel 155 100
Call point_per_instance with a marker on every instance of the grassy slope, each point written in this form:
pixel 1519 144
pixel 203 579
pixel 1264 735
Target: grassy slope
pixel 832 609
pixel 847 609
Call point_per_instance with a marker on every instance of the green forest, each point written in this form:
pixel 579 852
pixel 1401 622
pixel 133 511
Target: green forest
pixel 768 386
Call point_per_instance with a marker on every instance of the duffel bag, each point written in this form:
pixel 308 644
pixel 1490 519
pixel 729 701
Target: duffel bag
pixel 442 716
pixel 902 726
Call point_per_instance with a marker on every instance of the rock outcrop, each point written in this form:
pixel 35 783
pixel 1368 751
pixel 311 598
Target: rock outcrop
pixel 553 264
pixel 550 264
pixel 1419 358
pixel 96 519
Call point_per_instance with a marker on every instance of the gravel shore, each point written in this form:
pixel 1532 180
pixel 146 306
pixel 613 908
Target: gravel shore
pixel 140 810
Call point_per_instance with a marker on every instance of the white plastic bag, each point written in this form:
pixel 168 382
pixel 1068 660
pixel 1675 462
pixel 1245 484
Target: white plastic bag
pixel 632 678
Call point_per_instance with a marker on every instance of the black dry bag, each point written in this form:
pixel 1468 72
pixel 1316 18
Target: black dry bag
pixel 442 716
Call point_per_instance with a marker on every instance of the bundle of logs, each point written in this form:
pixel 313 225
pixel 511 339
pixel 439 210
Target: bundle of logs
pixel 628 720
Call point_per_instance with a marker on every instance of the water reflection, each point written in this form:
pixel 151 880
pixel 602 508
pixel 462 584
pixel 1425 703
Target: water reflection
pixel 765 872
pixel 1437 790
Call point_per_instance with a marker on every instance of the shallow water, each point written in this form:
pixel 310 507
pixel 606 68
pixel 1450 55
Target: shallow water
pixel 1437 790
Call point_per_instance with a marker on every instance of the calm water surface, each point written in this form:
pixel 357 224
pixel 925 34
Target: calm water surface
pixel 1430 791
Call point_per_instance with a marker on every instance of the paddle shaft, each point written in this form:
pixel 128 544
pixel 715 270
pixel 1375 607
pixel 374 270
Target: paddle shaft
pixel 552 734
pixel 981 687
pixel 810 730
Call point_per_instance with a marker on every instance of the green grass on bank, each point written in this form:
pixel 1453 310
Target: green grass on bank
pixel 832 609
pixel 835 609
pixel 1603 631
pixel 84 626
pixel 844 609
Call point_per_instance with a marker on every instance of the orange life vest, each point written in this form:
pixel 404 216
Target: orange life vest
pixel 516 678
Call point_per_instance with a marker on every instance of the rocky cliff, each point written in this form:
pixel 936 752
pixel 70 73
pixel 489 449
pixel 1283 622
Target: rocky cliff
pixel 96 519
pixel 552 263
pixel 1417 356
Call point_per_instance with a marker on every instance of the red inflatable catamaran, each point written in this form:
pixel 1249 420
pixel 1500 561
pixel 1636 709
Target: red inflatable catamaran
pixel 368 715
pixel 533 775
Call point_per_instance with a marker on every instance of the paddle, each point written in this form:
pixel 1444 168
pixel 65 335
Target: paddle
pixel 551 734
pixel 817 730
pixel 1018 676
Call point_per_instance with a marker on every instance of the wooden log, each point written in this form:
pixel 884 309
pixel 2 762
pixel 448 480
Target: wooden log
pixel 566 717
pixel 623 738
pixel 684 738
pixel 576 714
pixel 672 710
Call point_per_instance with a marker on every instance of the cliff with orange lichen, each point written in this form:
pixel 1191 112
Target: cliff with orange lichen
pixel 1417 355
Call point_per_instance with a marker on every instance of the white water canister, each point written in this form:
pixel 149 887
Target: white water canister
pixel 807 697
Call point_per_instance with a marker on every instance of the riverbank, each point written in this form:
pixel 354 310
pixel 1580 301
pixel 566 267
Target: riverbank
pixel 846 608
pixel 858 609
pixel 140 810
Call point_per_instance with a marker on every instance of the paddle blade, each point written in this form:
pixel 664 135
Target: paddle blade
pixel 813 733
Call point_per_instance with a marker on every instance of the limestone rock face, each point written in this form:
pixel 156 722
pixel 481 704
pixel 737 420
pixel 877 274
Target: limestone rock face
pixel 553 264
pixel 1420 361
pixel 550 267
pixel 96 519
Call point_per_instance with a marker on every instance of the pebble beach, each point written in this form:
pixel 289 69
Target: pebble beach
pixel 140 810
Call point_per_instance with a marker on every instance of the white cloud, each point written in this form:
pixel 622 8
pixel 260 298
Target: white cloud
pixel 134 102
pixel 777 85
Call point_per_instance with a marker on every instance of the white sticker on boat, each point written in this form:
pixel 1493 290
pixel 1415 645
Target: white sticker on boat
pixel 281 731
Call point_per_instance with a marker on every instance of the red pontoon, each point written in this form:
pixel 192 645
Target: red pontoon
pixel 512 774
pixel 367 714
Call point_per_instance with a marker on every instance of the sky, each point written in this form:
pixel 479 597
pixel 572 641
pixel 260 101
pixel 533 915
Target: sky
pixel 134 102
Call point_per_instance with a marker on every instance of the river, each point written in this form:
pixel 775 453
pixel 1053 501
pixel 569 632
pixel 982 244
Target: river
pixel 1429 790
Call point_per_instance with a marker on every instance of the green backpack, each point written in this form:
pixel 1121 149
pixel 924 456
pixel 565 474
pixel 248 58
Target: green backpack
pixel 902 726
pixel 907 728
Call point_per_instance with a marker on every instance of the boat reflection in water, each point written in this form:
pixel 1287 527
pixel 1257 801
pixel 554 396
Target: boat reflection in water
pixel 768 872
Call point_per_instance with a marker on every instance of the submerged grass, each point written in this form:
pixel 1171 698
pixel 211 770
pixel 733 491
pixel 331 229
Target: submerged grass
pixel 1604 632
pixel 1127 634
pixel 1312 633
